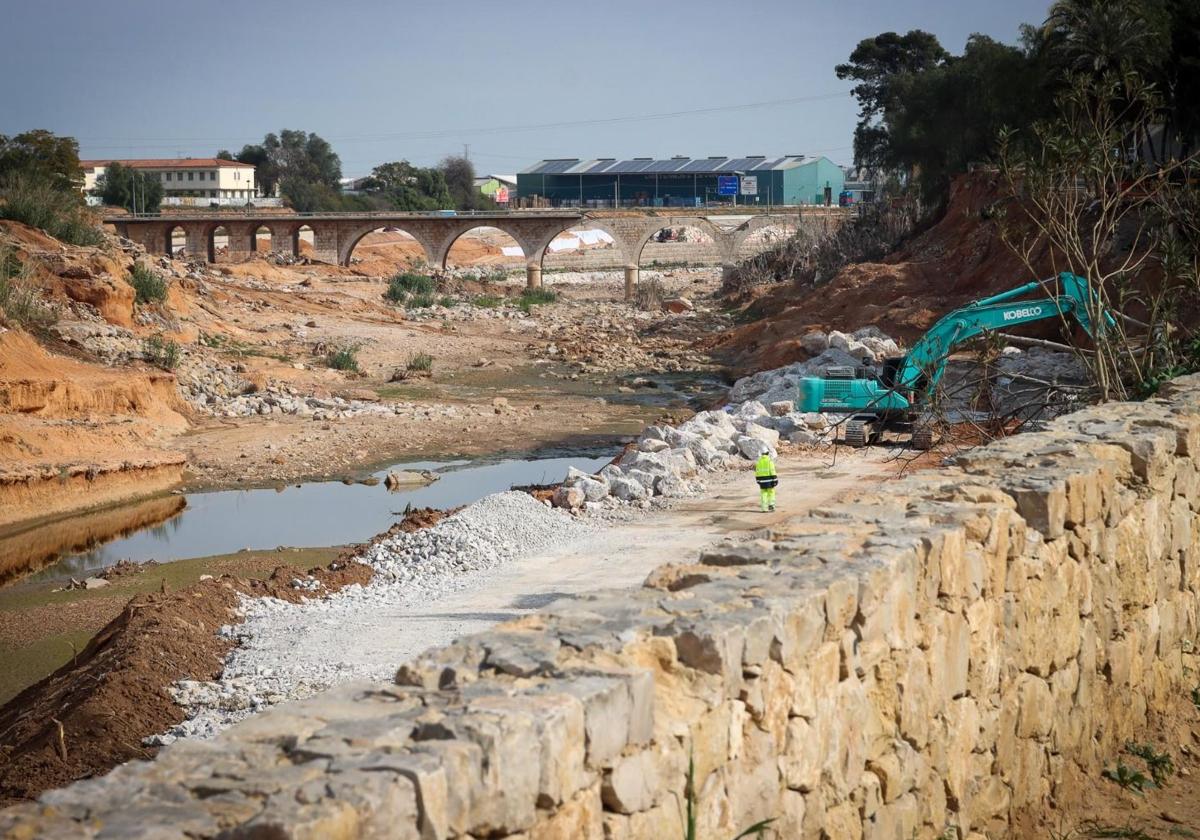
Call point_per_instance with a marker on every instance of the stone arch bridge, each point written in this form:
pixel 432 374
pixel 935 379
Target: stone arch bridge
pixel 335 235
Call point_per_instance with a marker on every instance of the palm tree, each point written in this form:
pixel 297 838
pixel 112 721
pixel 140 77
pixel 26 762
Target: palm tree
pixel 1093 37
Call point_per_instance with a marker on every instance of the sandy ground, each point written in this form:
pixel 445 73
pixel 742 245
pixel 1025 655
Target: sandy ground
pixel 616 556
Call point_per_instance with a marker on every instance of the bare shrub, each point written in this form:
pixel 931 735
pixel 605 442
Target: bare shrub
pixel 649 295
pixel 805 260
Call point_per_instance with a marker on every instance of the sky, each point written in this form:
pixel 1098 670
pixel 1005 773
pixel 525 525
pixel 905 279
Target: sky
pixel 517 80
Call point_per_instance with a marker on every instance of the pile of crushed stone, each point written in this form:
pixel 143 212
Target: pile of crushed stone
pixel 287 651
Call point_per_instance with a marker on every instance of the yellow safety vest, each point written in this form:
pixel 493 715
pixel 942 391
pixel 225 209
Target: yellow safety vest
pixel 765 468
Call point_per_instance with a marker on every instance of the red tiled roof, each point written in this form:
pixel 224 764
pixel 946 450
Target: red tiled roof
pixel 165 163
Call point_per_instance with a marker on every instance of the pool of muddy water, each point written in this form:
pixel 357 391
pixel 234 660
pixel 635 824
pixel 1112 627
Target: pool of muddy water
pixel 320 513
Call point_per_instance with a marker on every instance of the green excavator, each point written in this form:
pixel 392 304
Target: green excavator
pixel 895 397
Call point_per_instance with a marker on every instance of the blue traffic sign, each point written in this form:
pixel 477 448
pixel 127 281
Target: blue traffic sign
pixel 727 185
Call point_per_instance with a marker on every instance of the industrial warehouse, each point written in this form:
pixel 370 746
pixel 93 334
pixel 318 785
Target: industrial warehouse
pixel 681 181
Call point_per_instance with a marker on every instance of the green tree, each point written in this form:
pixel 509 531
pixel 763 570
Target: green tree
pixel 406 187
pixel 123 186
pixel 459 173
pixel 949 116
pixel 875 64
pixel 43 153
pixel 300 164
pixel 1100 36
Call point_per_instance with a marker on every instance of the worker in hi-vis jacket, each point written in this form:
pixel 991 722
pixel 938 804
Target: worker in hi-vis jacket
pixel 764 474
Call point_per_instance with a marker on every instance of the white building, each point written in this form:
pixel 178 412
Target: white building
pixel 199 181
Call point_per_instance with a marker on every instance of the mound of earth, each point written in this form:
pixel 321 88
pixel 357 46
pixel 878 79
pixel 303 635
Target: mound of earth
pixel 93 713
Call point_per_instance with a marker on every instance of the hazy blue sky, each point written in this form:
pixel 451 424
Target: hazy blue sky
pixel 416 80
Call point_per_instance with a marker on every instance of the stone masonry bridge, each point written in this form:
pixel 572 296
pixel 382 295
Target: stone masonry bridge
pixel 335 235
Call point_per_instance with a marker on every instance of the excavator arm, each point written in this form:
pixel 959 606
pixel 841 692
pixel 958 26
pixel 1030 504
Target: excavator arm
pixel 922 368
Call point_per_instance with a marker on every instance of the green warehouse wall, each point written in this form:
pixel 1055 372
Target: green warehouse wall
pixel 805 184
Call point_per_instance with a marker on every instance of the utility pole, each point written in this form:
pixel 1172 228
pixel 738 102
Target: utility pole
pixel 467 151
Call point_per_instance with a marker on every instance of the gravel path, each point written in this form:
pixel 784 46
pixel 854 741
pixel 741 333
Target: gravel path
pixel 287 651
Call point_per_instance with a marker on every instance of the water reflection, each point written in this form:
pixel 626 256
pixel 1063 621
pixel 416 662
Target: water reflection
pixel 33 548
pixel 313 514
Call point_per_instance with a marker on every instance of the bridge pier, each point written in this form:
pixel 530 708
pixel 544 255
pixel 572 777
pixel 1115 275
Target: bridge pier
pixel 631 280
pixel 533 276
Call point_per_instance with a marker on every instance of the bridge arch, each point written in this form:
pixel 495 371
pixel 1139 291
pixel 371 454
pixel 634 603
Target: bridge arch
pixel 745 234
pixel 654 226
pixel 218 242
pixel 257 243
pixel 176 240
pixel 349 238
pixel 490 225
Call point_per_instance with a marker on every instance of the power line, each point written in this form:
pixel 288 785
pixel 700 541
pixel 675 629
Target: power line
pixel 507 129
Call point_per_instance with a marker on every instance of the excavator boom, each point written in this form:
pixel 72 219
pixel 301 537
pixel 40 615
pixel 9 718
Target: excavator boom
pixel 907 383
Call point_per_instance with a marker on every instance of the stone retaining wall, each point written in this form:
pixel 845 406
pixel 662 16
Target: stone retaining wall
pixel 954 649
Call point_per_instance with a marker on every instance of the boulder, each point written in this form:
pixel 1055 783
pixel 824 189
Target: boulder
pixel 656 432
pixel 751 409
pixel 646 479
pixel 704 452
pixel 784 391
pixel 780 408
pixel 627 490
pixel 568 498
pixel 748 447
pixel 681 461
pixel 408 478
pixel 678 305
pixel 804 437
pixel 814 343
pixel 671 486
pixel 654 463
pixel 653 445
pixel 594 490
pixel 610 472
pixel 839 341
pixel 678 437
pixel 768 436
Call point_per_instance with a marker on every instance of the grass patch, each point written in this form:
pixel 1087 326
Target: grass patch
pixel 420 362
pixel 535 297
pixel 486 301
pixel 35 201
pixel 539 296
pixel 21 302
pixel 149 286
pixel 447 301
pixel 343 358
pixel 419 301
pixel 1094 829
pixel 406 283
pixel 160 353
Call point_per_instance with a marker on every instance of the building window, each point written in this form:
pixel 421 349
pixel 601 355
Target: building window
pixel 168 174
pixel 191 176
pixel 212 176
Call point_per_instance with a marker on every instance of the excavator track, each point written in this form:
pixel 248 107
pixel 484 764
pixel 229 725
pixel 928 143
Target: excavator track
pixel 922 438
pixel 856 433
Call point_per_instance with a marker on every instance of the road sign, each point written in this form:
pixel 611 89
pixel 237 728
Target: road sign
pixel 502 195
pixel 749 185
pixel 727 185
